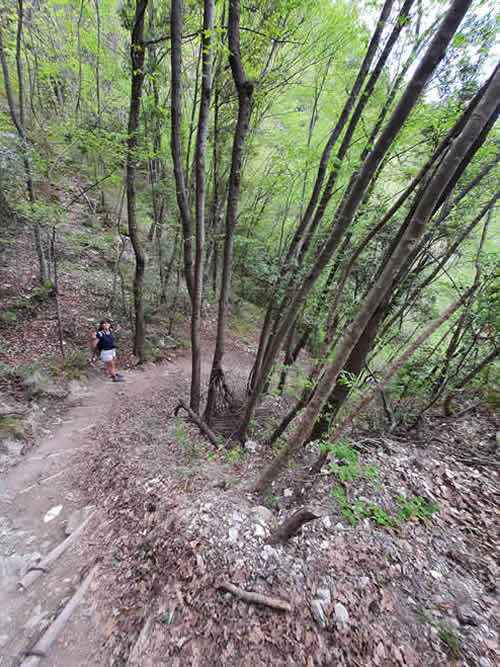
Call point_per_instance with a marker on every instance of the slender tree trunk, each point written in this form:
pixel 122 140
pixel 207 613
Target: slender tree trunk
pixel 472 374
pixel 356 189
pixel 192 125
pixel 98 61
pixel 176 143
pixel 137 54
pixel 245 91
pixel 446 172
pixel 18 121
pixel 56 293
pixel 79 49
pixel 201 147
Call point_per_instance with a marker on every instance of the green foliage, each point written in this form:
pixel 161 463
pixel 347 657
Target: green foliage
pixel 271 499
pixel 236 454
pixel 416 508
pixel 445 632
pixel 352 470
pixel 13 425
pixel 26 304
pixel 182 438
pixel 9 318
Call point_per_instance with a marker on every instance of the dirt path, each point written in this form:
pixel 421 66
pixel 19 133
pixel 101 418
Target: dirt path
pixel 44 479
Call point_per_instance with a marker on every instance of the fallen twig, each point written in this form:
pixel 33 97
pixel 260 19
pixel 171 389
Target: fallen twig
pixel 54 630
pixel 256 598
pixel 478 461
pixel 42 481
pixel 43 566
pixel 199 422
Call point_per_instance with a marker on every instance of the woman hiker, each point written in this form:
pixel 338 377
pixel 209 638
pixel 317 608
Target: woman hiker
pixel 103 339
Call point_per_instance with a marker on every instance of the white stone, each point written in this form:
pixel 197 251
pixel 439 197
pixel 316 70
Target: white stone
pixel 262 514
pixel 259 531
pixel 364 581
pixel 325 595
pixel 318 613
pixel 341 613
pixel 251 445
pixel 327 522
pixel 236 516
pixel 435 574
pixel 325 545
pixel 52 513
pixel 234 533
pixel 288 493
pixel 269 552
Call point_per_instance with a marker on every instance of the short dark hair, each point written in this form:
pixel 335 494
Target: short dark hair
pixel 102 322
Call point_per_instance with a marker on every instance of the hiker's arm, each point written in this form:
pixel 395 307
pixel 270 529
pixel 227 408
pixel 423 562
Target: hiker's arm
pixel 93 341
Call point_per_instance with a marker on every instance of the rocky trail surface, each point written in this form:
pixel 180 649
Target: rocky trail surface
pixel 41 504
pixel 174 564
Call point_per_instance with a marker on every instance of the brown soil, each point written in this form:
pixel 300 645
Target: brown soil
pixel 173 520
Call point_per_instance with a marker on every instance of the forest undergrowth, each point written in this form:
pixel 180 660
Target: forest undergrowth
pixel 397 568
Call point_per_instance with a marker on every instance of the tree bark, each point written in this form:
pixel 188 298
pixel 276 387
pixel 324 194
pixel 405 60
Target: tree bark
pixel 176 144
pixel 18 121
pixel 245 90
pixel 291 526
pixel 137 54
pixel 452 162
pixel 355 191
pixel 201 145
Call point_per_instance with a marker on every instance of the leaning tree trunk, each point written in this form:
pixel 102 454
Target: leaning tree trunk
pixel 268 344
pixel 137 57
pixel 446 172
pixel 356 190
pixel 245 91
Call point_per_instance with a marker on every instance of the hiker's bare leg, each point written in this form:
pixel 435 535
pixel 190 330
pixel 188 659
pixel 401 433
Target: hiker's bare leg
pixel 110 367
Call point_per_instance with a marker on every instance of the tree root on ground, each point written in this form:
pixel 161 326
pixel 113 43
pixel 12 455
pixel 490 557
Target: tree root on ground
pixel 291 526
pixel 199 423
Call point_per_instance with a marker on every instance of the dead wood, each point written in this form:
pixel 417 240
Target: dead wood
pixel 291 526
pixel 256 598
pixel 479 461
pixel 43 566
pixel 54 630
pixel 199 422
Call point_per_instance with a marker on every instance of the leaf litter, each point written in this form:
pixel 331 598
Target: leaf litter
pixel 421 594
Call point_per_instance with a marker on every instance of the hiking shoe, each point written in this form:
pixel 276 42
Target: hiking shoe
pixel 118 378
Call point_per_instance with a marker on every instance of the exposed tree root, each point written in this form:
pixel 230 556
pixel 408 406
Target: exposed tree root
pixel 199 422
pixel 223 398
pixel 291 526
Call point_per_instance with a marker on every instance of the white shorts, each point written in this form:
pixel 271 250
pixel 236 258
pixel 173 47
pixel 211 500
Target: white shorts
pixel 108 355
